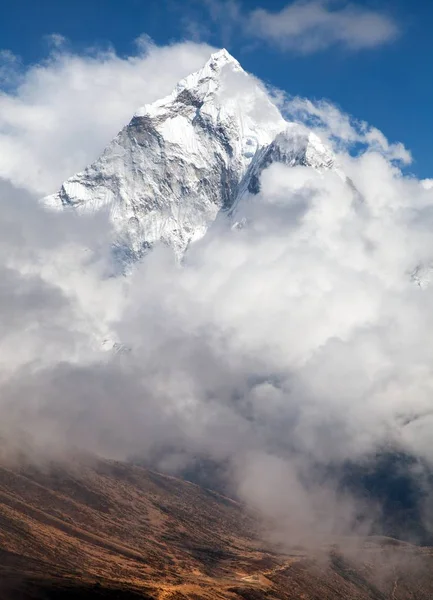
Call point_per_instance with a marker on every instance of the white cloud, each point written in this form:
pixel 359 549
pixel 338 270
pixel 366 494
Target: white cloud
pixel 62 112
pixel 297 342
pixel 313 25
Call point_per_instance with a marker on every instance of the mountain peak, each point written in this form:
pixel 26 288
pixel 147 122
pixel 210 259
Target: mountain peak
pixel 215 66
pixel 183 159
pixel 220 58
pixel 203 84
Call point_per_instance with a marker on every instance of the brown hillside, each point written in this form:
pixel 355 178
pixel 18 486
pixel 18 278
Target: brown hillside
pixel 104 529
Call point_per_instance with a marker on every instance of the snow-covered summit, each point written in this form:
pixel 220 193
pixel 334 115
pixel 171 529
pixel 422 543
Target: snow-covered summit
pixel 183 159
pixel 204 82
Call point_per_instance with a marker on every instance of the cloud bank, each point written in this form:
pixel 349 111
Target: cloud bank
pixel 279 351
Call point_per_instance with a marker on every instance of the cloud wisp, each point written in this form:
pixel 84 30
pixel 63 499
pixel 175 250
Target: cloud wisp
pixel 309 26
pixel 301 27
pixel 338 129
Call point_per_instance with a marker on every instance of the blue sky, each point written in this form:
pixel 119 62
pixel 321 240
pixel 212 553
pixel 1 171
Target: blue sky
pixel 388 83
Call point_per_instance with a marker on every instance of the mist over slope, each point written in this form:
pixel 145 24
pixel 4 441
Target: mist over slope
pixel 290 347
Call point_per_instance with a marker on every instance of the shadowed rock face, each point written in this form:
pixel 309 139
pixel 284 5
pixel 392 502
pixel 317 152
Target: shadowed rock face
pixel 103 529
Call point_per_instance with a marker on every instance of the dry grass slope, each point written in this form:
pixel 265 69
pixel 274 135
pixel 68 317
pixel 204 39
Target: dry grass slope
pixel 104 529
